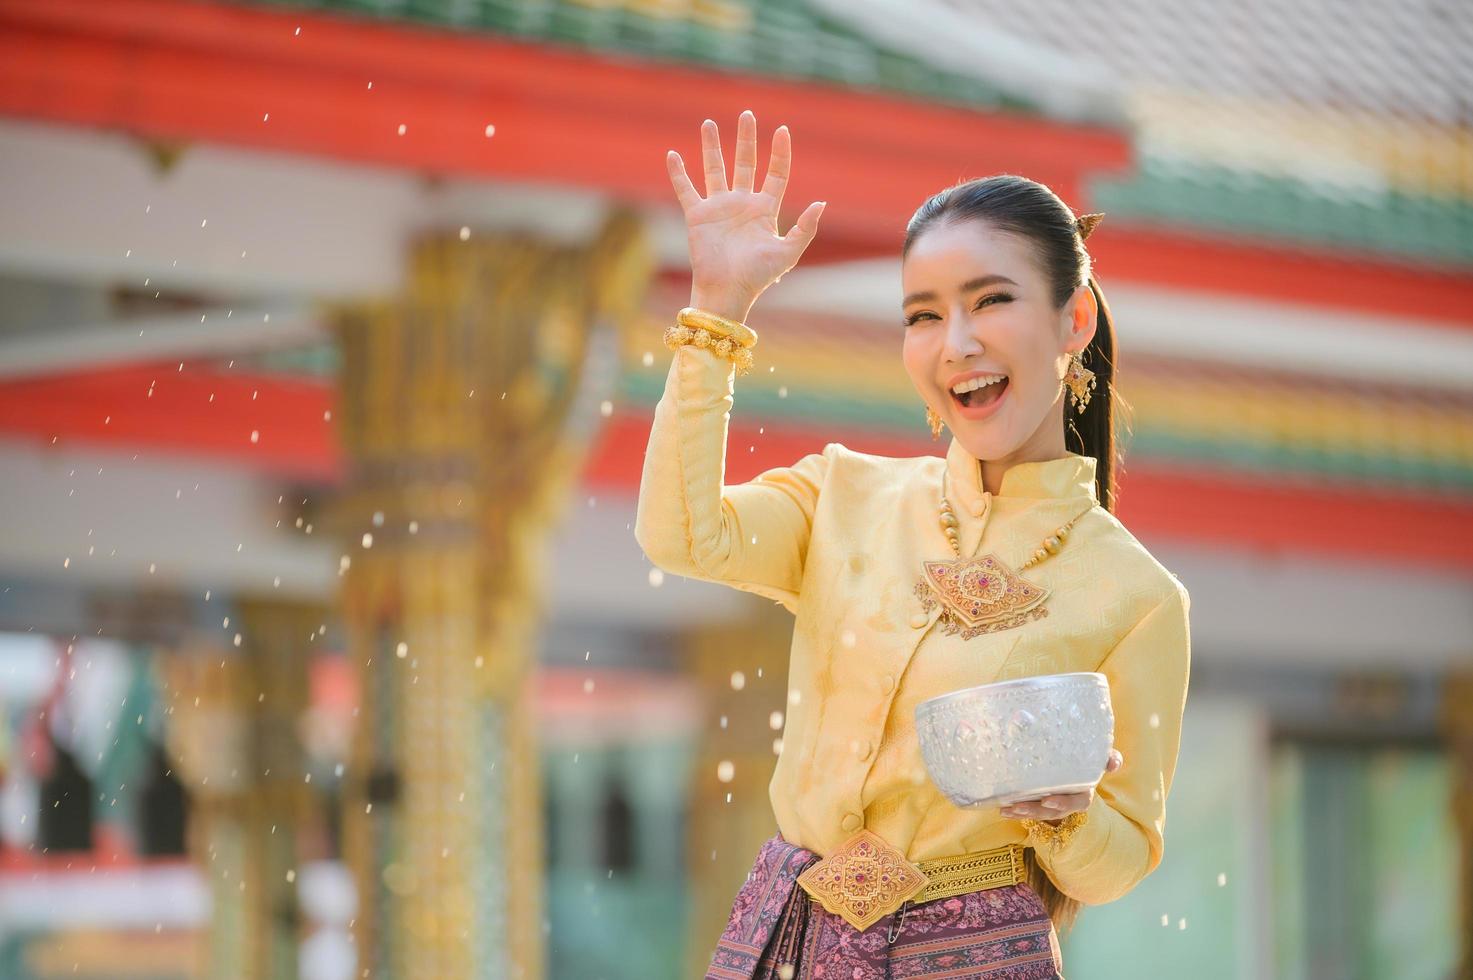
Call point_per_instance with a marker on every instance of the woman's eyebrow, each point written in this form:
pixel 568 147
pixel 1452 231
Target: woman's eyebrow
pixel 927 296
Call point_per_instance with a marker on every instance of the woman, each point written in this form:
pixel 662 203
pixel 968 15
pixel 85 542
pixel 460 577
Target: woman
pixel 1008 342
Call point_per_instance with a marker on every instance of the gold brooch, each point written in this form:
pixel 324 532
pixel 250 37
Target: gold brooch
pixel 864 880
pixel 980 591
pixel 982 594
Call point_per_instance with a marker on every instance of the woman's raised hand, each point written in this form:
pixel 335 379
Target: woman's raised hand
pixel 735 249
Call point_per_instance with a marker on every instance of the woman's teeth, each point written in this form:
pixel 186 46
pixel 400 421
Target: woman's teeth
pixel 989 386
pixel 972 384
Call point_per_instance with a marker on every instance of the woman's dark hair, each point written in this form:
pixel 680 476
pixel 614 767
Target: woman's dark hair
pixel 1034 213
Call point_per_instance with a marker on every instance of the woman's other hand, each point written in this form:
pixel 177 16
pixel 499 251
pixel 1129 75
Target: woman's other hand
pixel 735 249
pixel 1056 808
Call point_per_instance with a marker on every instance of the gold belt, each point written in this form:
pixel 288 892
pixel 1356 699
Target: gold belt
pixel 867 878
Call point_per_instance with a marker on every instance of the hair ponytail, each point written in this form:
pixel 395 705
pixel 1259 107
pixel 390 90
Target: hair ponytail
pixel 1092 432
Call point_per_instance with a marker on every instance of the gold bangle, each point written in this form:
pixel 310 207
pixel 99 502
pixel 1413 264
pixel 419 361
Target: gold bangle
pixel 1041 832
pixel 740 333
pixel 677 336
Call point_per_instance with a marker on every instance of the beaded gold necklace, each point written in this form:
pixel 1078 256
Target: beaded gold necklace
pixel 982 594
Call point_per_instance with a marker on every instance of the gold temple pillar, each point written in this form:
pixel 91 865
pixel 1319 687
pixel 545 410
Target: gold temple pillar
pixel 742 669
pixel 1457 729
pixel 462 405
pixel 232 721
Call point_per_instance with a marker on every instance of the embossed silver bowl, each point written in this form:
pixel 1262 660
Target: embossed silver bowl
pixel 996 744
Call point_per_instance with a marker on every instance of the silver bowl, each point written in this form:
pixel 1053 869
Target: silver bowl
pixel 996 744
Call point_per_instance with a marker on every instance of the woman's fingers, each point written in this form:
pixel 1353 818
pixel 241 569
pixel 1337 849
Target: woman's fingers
pixel 779 167
pixel 1064 804
pixel 1040 810
pixel 685 191
pixel 745 174
pixel 804 229
pixel 711 162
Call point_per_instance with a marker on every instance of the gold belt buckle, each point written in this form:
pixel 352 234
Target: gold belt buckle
pixel 864 880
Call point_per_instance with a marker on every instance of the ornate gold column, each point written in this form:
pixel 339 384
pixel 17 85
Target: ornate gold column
pixel 1457 727
pixel 205 731
pixel 742 668
pixel 456 404
pixel 278 643
pixel 232 722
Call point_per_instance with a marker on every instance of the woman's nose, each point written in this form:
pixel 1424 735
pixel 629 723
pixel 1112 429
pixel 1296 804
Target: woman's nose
pixel 960 339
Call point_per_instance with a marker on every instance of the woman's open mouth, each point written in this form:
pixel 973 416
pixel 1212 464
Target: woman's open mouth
pixel 980 402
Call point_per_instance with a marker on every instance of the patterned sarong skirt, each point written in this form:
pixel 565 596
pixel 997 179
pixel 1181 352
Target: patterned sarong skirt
pixel 777 932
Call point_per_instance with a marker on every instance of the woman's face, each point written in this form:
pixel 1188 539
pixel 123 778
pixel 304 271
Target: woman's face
pixel 977 306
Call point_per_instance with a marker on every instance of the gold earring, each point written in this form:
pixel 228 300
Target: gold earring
pixel 1081 381
pixel 934 421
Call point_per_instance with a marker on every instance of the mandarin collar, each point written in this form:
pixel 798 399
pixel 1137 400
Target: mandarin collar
pixel 1070 476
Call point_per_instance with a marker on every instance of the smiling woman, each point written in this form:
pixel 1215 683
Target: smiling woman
pixel 873 871
pixel 998 285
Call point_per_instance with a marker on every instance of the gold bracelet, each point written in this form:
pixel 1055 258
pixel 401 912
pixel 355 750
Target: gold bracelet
pixel 1041 832
pixel 740 333
pixel 677 336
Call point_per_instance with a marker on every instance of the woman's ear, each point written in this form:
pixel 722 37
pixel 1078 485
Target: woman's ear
pixel 1084 312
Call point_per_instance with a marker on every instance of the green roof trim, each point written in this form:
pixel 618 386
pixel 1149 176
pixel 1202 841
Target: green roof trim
pixel 769 401
pixel 1421 473
pixel 778 38
pixel 311 360
pixel 1390 223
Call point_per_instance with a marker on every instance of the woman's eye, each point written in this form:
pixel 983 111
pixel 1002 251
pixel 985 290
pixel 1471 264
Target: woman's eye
pixel 1001 297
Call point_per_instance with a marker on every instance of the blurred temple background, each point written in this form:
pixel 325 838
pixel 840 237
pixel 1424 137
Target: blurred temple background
pixel 329 340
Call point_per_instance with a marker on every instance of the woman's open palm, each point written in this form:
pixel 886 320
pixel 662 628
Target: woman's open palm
pixel 735 248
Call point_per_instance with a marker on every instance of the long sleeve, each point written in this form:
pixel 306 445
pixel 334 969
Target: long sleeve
pixel 751 536
pixel 1122 840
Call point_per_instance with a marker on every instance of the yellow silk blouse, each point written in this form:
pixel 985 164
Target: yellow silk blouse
pixel 839 538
